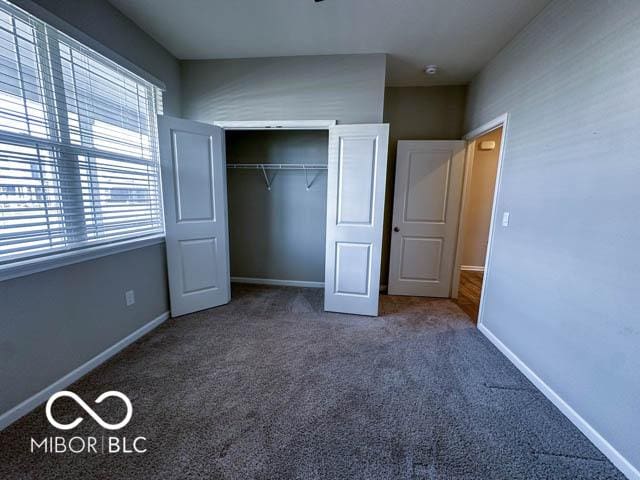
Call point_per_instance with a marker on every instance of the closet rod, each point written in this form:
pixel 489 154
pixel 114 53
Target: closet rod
pixel 281 166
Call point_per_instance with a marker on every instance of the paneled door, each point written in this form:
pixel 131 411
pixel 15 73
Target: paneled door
pixel 426 209
pixel 195 209
pixel 356 177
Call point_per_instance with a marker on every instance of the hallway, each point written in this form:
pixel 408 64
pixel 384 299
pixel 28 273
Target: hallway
pixel 469 293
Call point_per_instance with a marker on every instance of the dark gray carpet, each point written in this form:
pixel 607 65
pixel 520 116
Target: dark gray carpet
pixel 272 387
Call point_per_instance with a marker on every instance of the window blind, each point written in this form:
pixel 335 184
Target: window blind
pixel 78 144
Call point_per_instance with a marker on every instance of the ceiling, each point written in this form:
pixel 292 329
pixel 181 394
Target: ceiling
pixel 460 36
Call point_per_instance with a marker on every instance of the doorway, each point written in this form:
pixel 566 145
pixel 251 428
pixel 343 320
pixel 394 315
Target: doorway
pixel 194 176
pixel 476 217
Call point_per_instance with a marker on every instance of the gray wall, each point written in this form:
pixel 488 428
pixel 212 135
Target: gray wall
pixel 53 322
pixel 417 113
pixel 562 289
pixel 280 234
pixel 277 234
pixel 347 88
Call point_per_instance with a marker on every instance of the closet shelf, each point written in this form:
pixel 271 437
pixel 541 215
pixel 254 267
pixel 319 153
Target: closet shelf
pixel 306 167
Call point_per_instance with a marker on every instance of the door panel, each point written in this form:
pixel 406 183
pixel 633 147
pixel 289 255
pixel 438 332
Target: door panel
pixel 195 208
pixel 193 254
pixel 420 258
pixel 356 168
pixel 426 210
pixel 353 264
pixel 427 177
pixel 193 173
pixel 355 205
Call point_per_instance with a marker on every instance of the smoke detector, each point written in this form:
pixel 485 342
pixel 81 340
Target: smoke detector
pixel 431 69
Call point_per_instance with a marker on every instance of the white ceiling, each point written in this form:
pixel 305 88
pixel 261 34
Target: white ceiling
pixel 460 36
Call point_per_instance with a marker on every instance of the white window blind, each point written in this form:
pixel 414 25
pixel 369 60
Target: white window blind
pixel 78 144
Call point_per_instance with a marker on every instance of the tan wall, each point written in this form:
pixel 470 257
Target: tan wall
pixel 478 213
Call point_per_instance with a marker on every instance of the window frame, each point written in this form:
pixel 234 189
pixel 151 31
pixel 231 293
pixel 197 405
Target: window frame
pixel 82 252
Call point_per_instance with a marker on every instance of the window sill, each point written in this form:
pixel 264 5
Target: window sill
pixel 42 264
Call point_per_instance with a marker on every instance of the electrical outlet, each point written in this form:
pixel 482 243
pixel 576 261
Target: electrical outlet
pixel 129 297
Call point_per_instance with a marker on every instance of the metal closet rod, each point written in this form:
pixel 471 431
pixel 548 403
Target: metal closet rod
pixel 281 166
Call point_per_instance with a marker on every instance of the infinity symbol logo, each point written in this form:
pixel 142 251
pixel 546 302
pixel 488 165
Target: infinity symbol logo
pixel 89 410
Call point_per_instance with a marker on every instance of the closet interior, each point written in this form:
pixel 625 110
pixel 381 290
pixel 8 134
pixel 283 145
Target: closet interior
pixel 277 205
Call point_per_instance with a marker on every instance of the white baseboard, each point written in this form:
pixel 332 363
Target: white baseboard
pixel 591 433
pixel 472 268
pixel 273 281
pixel 43 395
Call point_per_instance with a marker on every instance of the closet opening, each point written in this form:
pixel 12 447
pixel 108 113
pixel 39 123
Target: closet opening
pixel 297 205
pixel 277 206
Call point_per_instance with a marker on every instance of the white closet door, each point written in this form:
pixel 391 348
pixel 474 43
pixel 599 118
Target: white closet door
pixel 195 209
pixel 355 205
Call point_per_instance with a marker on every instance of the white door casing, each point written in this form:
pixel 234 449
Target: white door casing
pixel 356 177
pixel 426 210
pixel 194 186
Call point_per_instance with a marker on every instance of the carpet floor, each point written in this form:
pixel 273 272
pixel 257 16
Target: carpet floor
pixel 272 387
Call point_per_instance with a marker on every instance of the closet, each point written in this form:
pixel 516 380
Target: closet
pixel 290 203
pixel 277 203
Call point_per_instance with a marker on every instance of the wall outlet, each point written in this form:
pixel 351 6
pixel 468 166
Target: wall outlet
pixel 129 297
pixel 505 219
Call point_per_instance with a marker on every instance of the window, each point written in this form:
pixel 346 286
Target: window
pixel 78 145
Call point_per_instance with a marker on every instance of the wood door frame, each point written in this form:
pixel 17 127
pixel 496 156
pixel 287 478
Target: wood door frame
pixel 471 137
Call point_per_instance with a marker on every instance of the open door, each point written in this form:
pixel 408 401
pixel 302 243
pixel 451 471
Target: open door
pixel 426 209
pixel 356 180
pixel 195 209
